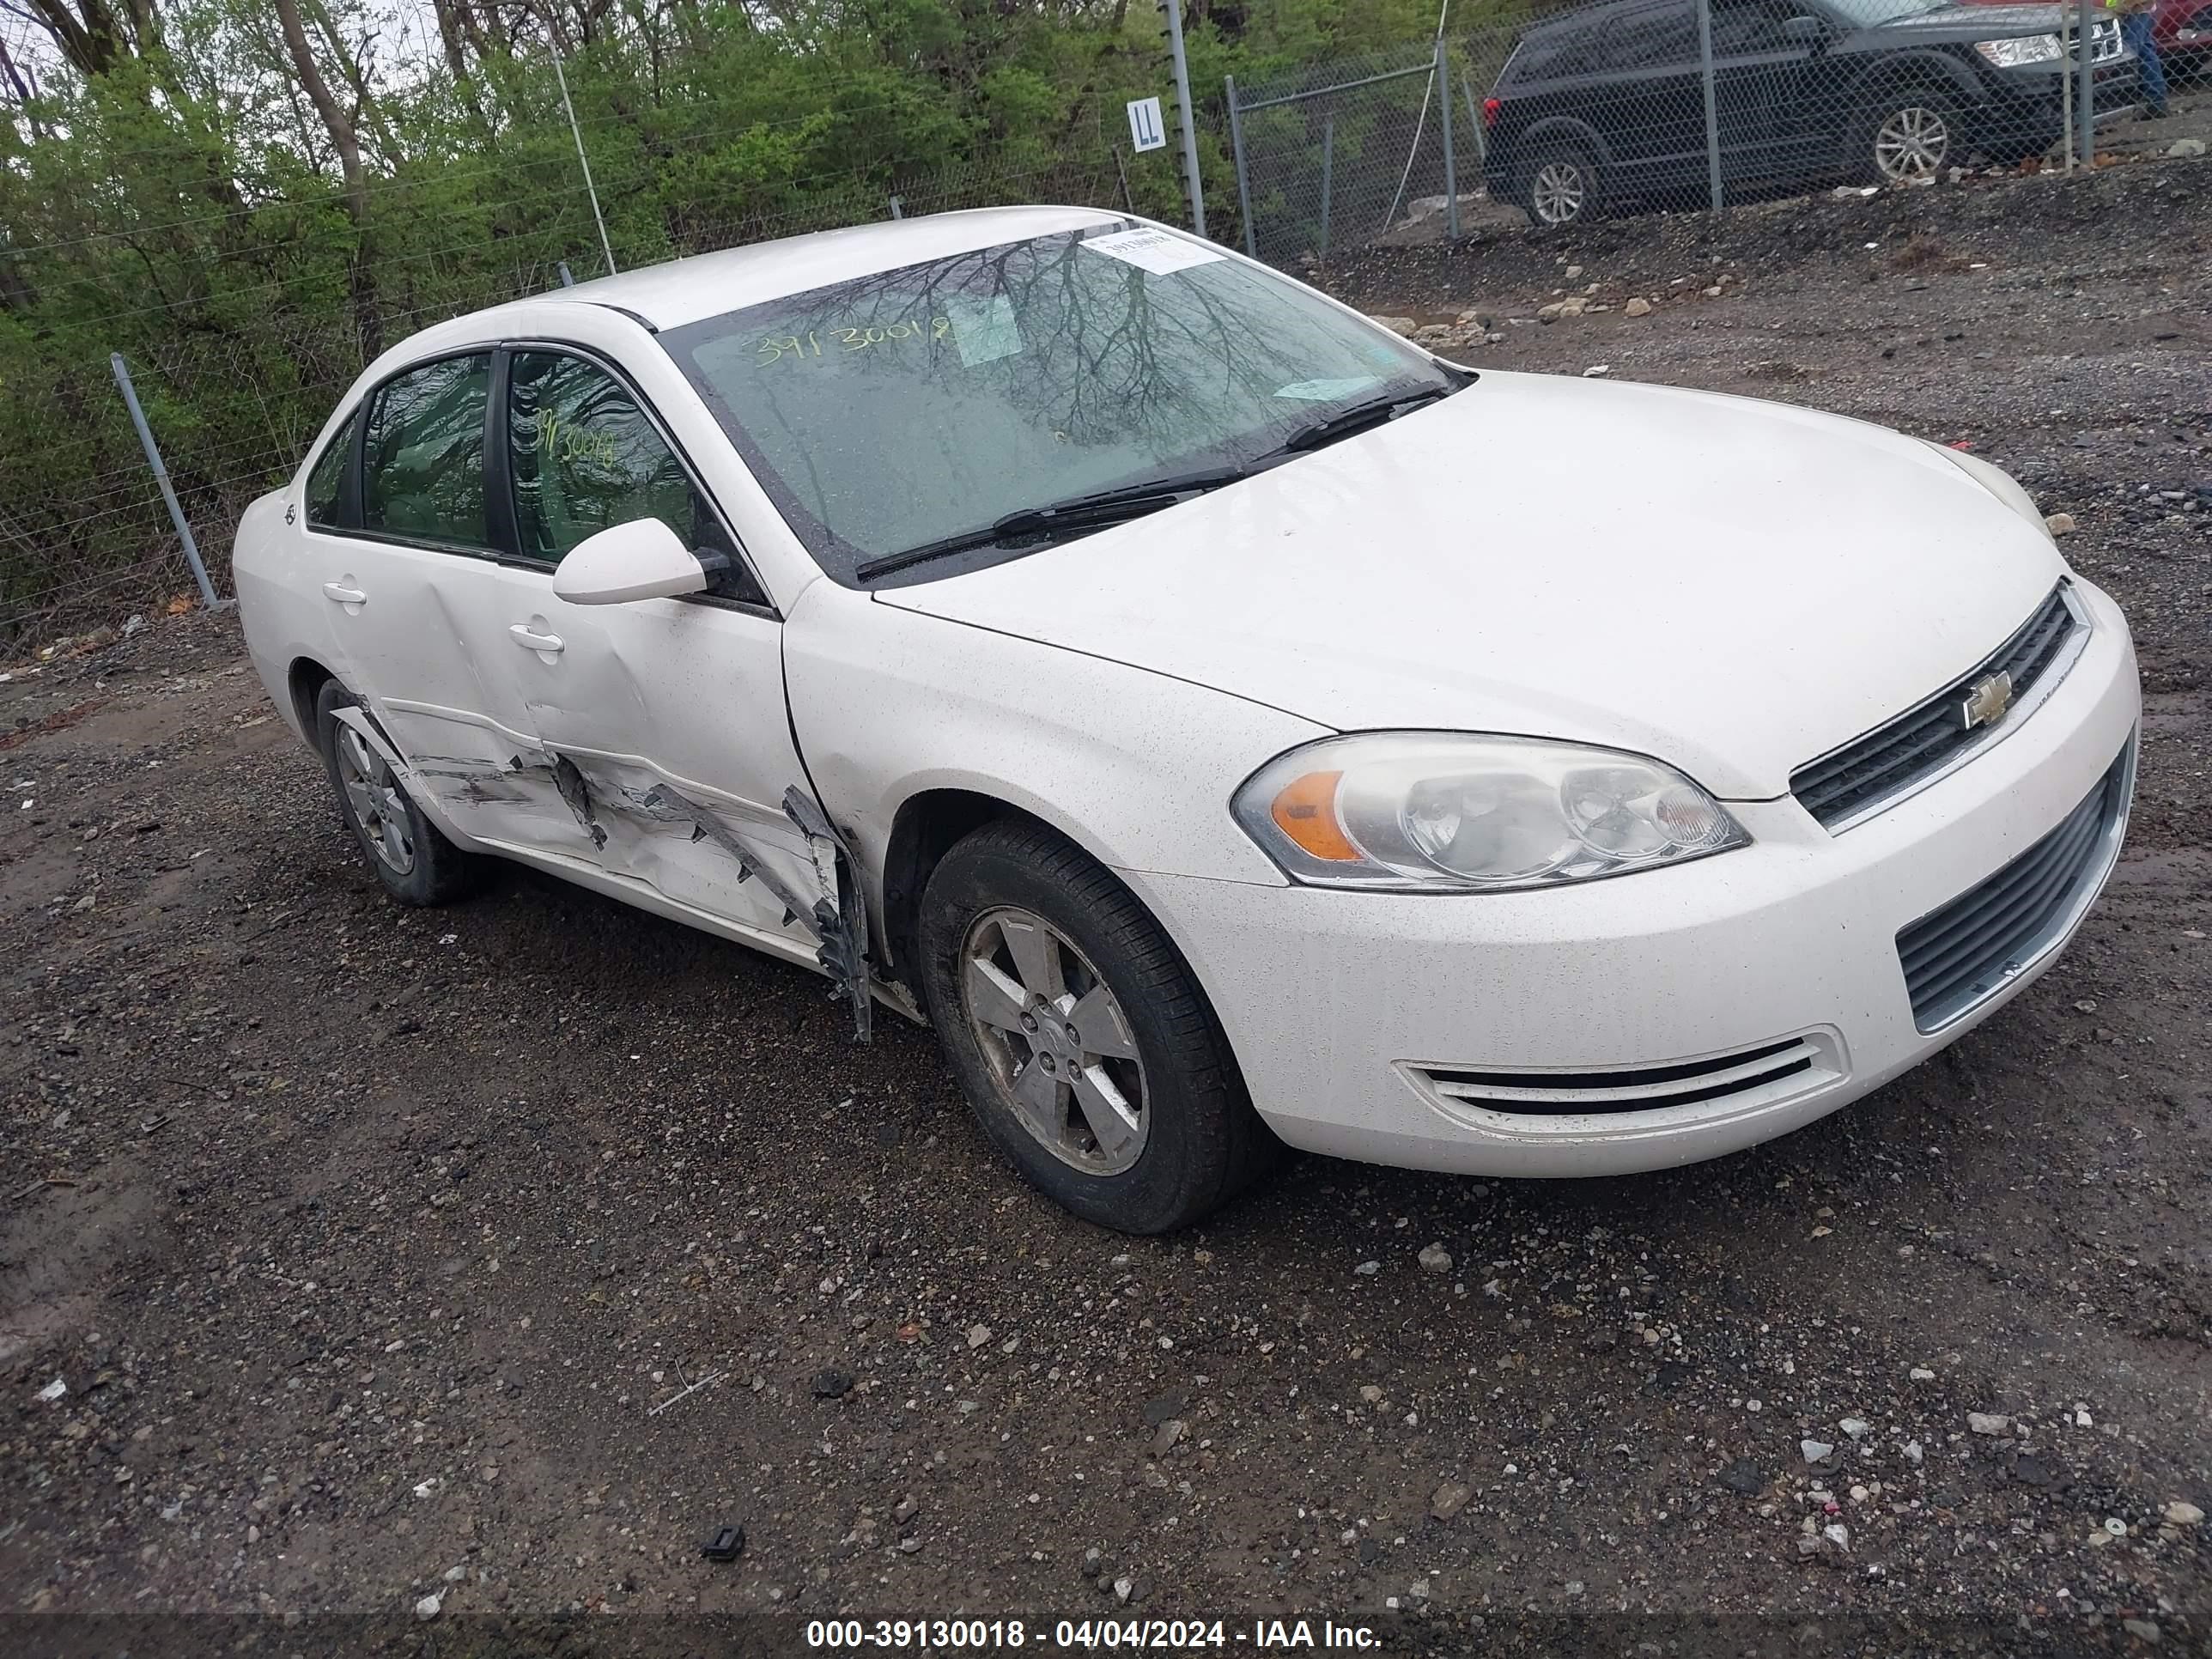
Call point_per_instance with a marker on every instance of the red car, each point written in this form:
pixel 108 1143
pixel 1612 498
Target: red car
pixel 2182 30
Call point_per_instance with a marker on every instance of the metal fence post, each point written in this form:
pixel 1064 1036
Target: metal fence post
pixel 583 161
pixel 162 477
pixel 1190 131
pixel 1712 108
pixel 1446 123
pixel 1236 148
pixel 1475 120
pixel 1327 177
pixel 2085 92
pixel 1128 204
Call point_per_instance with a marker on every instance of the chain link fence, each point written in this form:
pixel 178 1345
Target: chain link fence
pixel 234 383
pixel 1627 105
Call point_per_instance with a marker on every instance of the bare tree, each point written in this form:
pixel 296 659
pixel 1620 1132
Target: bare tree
pixel 347 142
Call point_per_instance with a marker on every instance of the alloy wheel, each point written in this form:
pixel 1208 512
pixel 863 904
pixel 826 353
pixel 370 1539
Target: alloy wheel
pixel 1911 143
pixel 378 806
pixel 1059 1049
pixel 1558 192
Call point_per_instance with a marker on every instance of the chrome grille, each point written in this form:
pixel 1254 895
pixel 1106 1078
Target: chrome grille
pixel 2104 43
pixel 1956 957
pixel 1852 782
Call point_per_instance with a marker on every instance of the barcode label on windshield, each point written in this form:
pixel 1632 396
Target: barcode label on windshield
pixel 1155 251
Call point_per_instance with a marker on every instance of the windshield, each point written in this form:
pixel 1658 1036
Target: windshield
pixel 903 408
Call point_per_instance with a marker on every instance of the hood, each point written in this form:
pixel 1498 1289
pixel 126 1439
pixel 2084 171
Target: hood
pixel 1976 20
pixel 1733 587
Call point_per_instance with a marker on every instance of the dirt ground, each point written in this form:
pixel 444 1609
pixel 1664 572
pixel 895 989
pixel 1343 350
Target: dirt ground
pixel 445 1268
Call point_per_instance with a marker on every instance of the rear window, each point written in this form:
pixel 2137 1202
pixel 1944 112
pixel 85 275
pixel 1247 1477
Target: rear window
pixel 326 491
pixel 1654 37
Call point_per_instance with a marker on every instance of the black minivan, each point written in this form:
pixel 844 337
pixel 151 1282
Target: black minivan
pixel 1603 109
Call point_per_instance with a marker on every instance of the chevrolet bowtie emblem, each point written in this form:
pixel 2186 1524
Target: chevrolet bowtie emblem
pixel 1986 702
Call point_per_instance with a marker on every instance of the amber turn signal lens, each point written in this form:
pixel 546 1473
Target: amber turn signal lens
pixel 1305 810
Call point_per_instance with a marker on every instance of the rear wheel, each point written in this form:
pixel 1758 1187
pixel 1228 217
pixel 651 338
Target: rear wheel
pixel 1910 134
pixel 411 860
pixel 1560 184
pixel 1083 1042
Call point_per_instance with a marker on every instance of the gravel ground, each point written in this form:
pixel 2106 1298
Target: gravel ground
pixel 497 1255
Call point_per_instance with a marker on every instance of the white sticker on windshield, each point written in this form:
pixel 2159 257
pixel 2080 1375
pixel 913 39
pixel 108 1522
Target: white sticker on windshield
pixel 1155 251
pixel 984 329
pixel 1324 392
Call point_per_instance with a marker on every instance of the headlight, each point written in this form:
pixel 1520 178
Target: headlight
pixel 2021 49
pixel 1408 811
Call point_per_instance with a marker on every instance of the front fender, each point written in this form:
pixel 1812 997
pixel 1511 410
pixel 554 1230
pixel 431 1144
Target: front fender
pixel 1135 767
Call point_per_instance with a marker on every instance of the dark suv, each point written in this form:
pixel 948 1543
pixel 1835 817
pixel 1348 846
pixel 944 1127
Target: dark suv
pixel 1604 109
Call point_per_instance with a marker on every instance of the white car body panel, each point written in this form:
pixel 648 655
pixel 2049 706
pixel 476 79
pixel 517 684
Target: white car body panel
pixel 891 704
pixel 1730 586
pixel 1708 580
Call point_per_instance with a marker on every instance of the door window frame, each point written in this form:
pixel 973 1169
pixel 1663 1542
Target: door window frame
pixel 501 528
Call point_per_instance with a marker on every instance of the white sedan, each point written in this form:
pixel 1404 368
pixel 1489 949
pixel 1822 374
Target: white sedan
pixel 1226 723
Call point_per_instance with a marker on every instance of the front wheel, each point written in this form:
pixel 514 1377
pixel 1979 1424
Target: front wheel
pixel 1559 185
pixel 1088 1054
pixel 1908 135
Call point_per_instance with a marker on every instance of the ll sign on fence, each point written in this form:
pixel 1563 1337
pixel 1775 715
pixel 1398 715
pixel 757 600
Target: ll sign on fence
pixel 1146 130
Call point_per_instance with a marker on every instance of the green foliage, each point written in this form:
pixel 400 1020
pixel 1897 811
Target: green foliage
pixel 185 204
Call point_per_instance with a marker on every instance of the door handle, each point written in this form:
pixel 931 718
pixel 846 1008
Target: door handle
pixel 344 594
pixel 530 640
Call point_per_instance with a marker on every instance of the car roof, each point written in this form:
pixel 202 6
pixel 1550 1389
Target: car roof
pixel 707 284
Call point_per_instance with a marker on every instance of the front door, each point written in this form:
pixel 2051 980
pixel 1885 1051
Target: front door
pixel 416 600
pixel 664 719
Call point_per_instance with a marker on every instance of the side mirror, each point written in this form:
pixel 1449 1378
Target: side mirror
pixel 1804 31
pixel 643 559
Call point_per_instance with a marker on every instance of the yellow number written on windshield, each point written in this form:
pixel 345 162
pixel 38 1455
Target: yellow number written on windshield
pixel 807 347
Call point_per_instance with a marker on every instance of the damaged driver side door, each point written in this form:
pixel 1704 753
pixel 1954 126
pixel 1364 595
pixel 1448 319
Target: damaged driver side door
pixel 663 718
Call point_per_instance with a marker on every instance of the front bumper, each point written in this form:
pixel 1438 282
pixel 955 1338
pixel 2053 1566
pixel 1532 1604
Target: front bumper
pixel 1352 1014
pixel 2032 112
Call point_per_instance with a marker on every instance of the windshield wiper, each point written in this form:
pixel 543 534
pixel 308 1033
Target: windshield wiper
pixel 1360 417
pixel 1092 512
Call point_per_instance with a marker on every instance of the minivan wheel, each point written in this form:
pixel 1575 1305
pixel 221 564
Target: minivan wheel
pixel 1559 185
pixel 1910 136
pixel 1084 1046
pixel 411 860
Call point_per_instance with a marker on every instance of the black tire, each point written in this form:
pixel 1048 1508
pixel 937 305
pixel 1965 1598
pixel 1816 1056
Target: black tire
pixel 1898 119
pixel 1202 1142
pixel 1558 184
pixel 437 872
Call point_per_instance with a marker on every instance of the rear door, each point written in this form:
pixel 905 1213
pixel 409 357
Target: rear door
pixel 1650 106
pixel 402 549
pixel 664 718
pixel 1759 89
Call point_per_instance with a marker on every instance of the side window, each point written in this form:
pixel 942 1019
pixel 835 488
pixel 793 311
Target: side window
pixel 585 458
pixel 1653 38
pixel 1749 26
pixel 422 471
pixel 326 491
